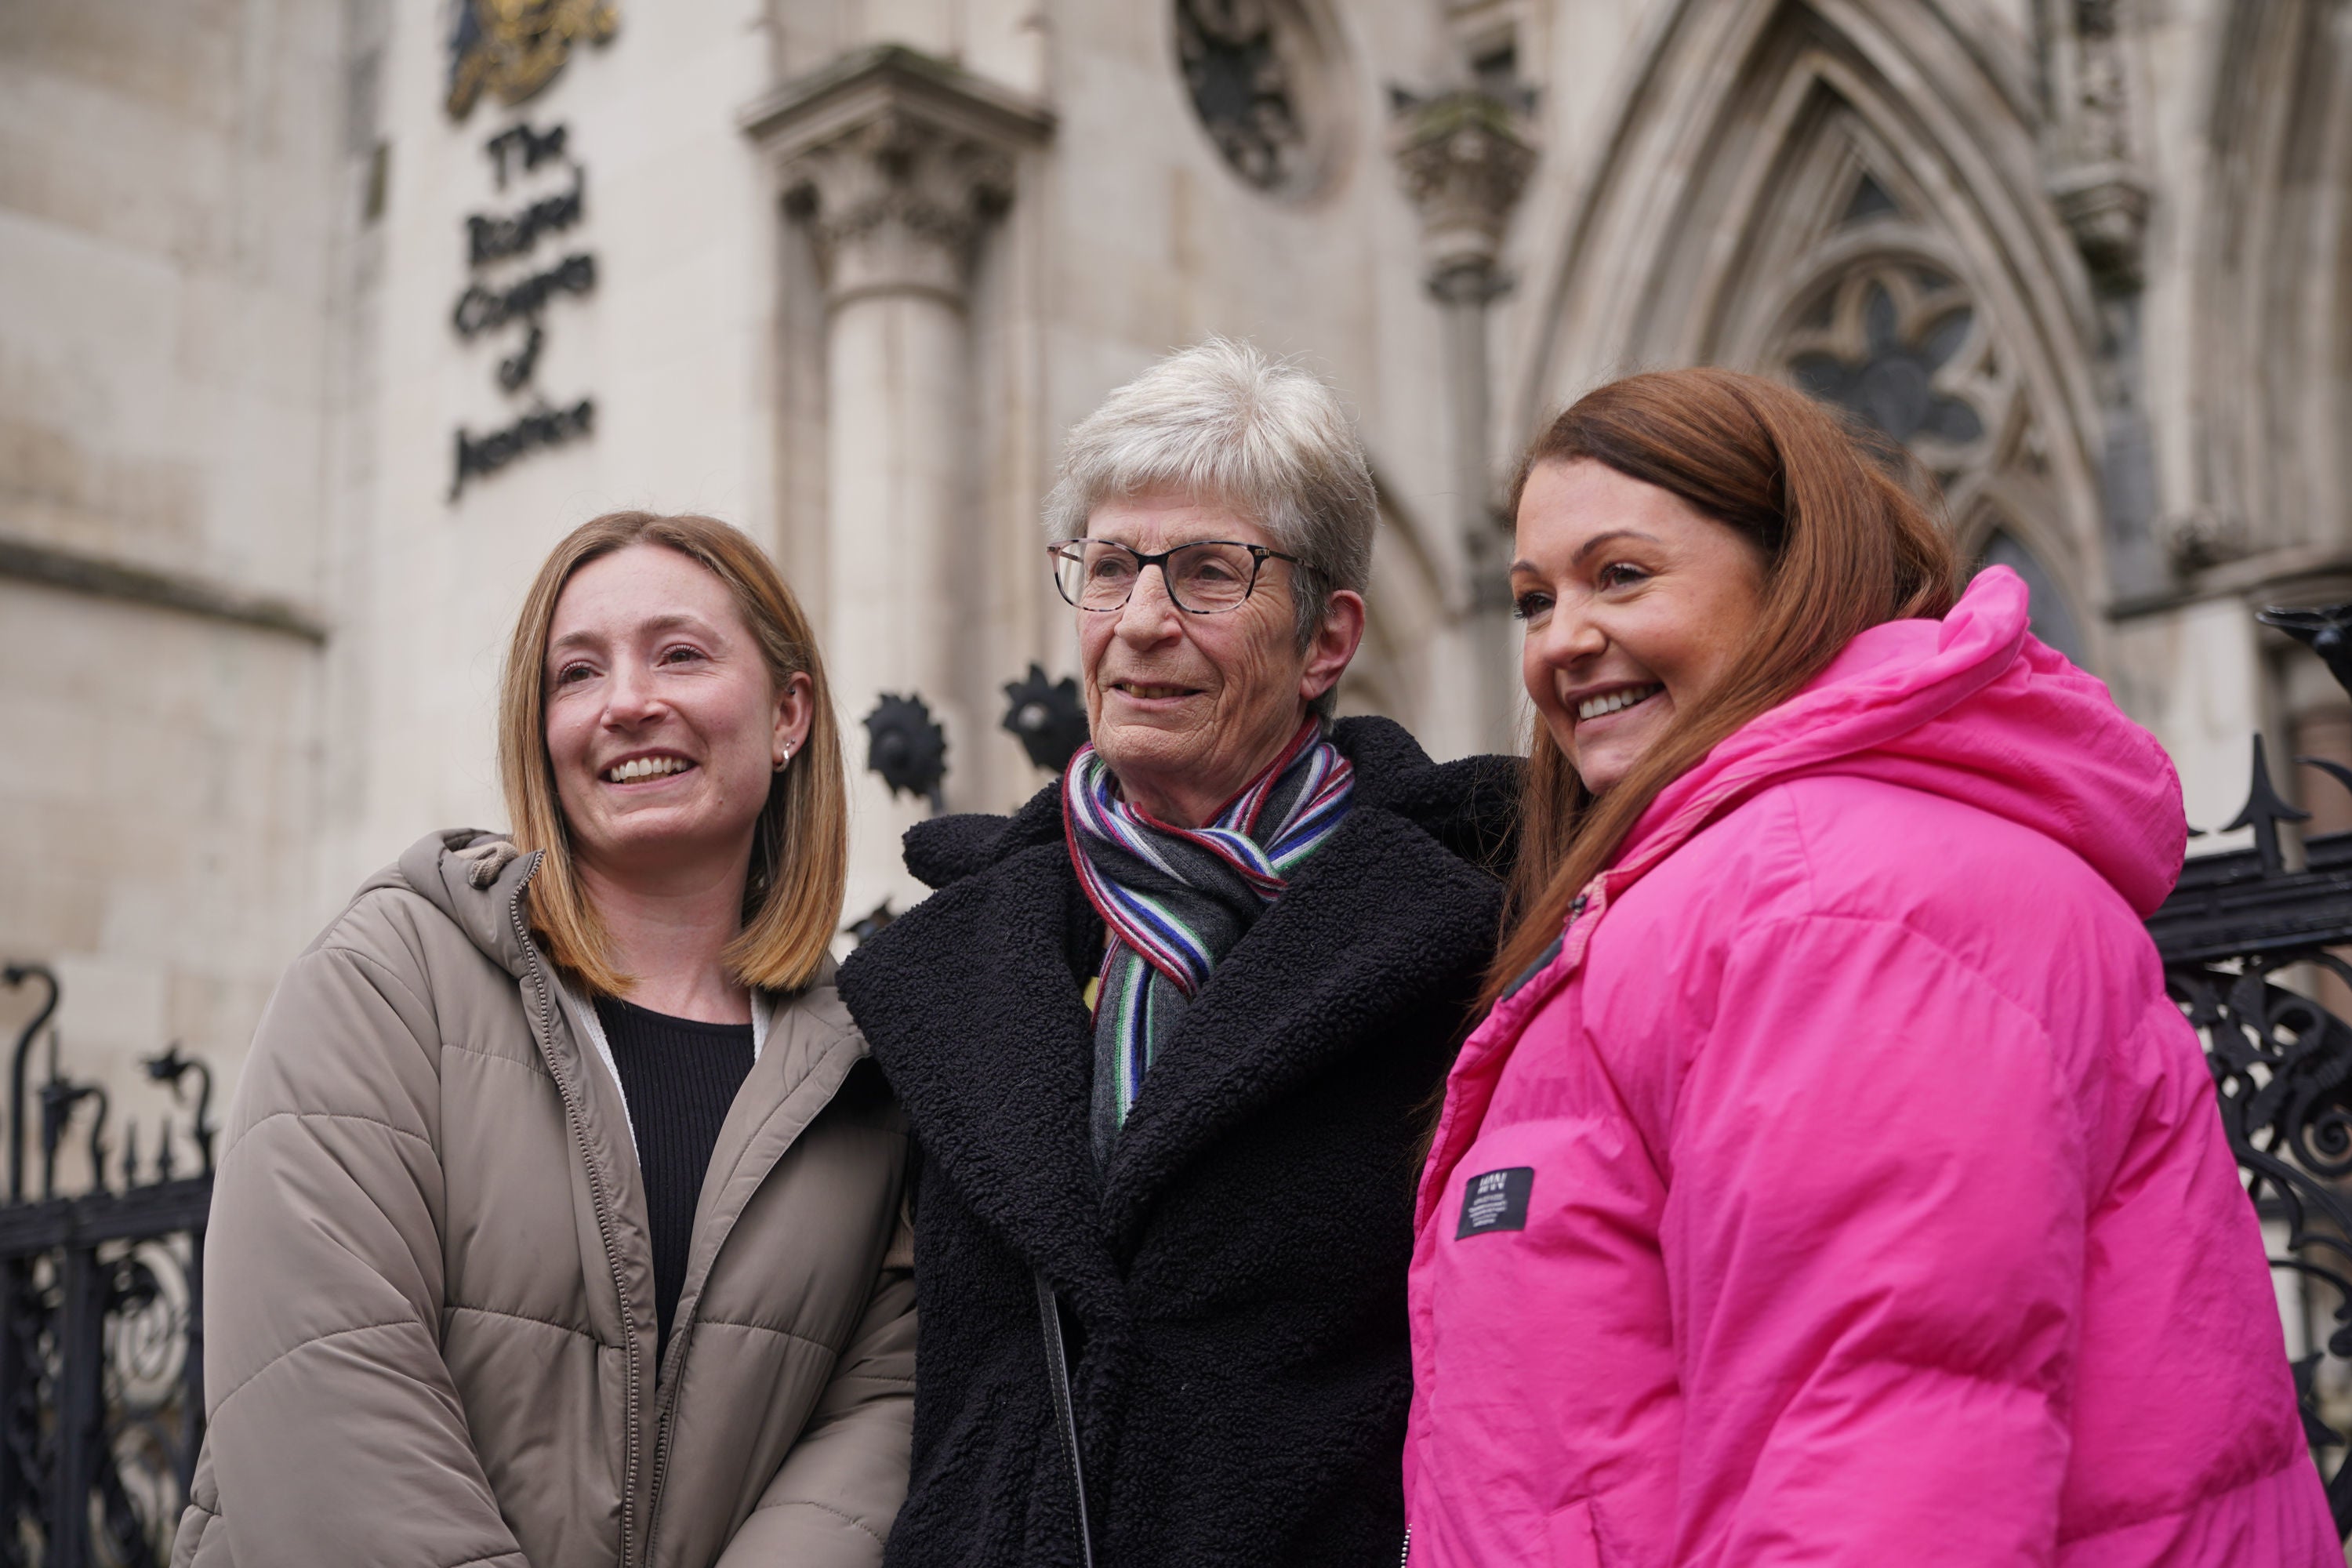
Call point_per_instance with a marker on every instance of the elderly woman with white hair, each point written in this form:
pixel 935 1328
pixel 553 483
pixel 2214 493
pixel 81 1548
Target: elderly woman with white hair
pixel 1168 1034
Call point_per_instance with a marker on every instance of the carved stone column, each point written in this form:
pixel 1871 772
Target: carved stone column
pixel 896 165
pixel 2094 180
pixel 1464 164
pixel 2096 186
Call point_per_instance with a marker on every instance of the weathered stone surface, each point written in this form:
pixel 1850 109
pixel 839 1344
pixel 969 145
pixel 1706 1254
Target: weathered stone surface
pixel 2112 237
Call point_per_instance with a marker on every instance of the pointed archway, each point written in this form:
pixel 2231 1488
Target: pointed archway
pixel 1850 200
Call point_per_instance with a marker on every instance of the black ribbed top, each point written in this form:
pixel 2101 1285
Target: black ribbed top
pixel 680 1076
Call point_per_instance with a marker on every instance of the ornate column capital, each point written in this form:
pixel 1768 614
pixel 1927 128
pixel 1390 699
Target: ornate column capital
pixel 898 162
pixel 1464 164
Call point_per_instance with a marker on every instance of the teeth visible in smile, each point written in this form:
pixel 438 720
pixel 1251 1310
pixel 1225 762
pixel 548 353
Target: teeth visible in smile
pixel 646 768
pixel 1610 702
pixel 1136 688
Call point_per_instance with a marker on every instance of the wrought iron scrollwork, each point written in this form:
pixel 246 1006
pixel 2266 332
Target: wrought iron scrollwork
pixel 101 1319
pixel 2249 940
pixel 2283 1069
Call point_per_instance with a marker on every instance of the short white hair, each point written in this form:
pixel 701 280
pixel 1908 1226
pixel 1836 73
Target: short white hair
pixel 1222 421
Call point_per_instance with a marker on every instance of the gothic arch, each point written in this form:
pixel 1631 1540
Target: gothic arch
pixel 1848 197
pixel 2273 313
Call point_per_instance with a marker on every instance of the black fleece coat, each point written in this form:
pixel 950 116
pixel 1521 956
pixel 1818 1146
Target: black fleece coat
pixel 1232 1280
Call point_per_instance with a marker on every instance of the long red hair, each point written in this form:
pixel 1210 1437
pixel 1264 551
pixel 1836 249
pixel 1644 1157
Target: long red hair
pixel 1846 546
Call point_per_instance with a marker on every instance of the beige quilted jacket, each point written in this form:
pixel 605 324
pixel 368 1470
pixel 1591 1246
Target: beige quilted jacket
pixel 428 1288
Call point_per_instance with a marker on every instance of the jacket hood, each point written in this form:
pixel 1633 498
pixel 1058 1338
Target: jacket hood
pixel 472 876
pixel 1471 806
pixel 1971 707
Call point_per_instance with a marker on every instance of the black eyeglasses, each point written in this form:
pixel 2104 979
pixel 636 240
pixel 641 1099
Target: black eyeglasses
pixel 1207 577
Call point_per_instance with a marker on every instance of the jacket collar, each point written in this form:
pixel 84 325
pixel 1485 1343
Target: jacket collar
pixel 474 878
pixel 806 1051
pixel 806 1046
pixel 974 1012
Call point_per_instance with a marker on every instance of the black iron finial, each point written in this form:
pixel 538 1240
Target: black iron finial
pixel 2263 811
pixel 60 1098
pixel 15 975
pixel 906 745
pixel 1046 717
pixel 2326 630
pixel 172 1067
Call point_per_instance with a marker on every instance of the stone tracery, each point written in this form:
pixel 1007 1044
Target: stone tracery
pixel 1844 198
pixel 1890 349
pixel 1880 321
pixel 1240 86
pixel 1263 79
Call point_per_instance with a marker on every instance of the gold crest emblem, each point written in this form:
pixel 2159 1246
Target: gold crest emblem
pixel 514 47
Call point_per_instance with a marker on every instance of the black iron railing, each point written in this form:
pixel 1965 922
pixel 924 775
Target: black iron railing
pixel 2249 939
pixel 102 1316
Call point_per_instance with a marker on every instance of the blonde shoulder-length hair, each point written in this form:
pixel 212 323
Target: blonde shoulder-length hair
pixel 800 853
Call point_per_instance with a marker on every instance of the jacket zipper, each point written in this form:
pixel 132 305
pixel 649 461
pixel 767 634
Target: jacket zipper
pixel 661 1435
pixel 664 1409
pixel 572 1113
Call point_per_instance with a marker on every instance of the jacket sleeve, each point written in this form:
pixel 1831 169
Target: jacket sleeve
pixel 833 1500
pixel 1874 1245
pixel 335 1432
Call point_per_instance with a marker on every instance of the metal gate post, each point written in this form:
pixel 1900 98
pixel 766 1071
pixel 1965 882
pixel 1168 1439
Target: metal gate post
pixel 81 1358
pixel 20 1411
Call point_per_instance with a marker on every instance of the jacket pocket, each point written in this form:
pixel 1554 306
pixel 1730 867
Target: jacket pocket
pixel 1572 1541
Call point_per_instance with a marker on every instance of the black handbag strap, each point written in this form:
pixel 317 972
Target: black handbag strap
pixel 1057 1378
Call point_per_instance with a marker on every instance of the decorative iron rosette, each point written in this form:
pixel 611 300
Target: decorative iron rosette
pixel 1046 717
pixel 906 745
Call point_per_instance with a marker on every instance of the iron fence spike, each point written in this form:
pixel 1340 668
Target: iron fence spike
pixel 2264 809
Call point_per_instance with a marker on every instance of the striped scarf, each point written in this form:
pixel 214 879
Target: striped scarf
pixel 1177 899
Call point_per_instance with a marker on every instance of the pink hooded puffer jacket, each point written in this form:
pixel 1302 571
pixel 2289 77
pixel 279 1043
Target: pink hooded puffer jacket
pixel 1844 1190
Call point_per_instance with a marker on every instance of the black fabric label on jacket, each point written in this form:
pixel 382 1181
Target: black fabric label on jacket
pixel 1496 1200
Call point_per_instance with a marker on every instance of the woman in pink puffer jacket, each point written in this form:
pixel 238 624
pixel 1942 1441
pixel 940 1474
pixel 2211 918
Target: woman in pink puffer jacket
pixel 1831 1182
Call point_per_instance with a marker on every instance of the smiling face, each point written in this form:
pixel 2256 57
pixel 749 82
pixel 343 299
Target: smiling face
pixel 1187 708
pixel 1636 606
pixel 664 725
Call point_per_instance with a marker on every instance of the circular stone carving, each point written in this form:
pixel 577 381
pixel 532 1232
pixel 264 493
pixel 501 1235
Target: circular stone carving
pixel 1898 344
pixel 1261 77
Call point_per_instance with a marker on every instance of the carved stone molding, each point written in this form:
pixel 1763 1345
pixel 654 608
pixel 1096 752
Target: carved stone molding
pixel 898 162
pixel 1268 82
pixel 1464 166
pixel 2094 180
pixel 2104 207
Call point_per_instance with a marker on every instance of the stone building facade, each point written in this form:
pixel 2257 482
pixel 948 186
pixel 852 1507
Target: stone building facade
pixel 322 322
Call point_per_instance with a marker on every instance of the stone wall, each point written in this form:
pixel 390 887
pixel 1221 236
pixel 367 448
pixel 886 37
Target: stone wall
pixel 252 629
pixel 166 232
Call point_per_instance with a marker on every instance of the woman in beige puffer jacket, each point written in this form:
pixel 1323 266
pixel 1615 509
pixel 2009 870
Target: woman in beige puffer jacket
pixel 432 1304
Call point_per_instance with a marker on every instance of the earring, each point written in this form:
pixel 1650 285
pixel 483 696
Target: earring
pixel 788 757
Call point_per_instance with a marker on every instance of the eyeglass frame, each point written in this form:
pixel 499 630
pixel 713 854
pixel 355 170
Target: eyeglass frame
pixel 1259 555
